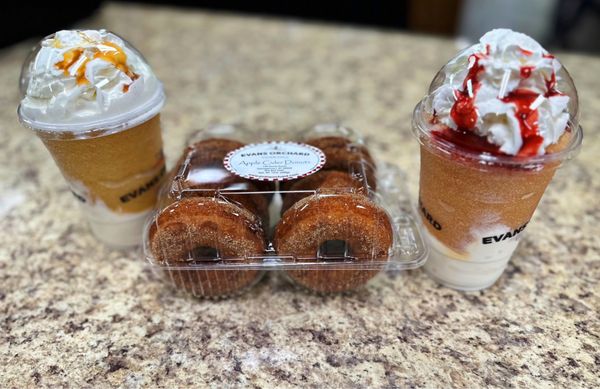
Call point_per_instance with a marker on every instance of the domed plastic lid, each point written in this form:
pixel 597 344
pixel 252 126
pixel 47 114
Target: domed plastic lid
pixel 85 83
pixel 501 98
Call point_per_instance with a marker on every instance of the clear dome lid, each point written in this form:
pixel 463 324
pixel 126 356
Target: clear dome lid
pixel 86 82
pixel 452 71
pixel 507 90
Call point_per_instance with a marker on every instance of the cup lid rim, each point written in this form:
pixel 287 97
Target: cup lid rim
pixel 99 127
pixel 420 131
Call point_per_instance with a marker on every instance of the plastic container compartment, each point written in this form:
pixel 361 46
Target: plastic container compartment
pixel 205 237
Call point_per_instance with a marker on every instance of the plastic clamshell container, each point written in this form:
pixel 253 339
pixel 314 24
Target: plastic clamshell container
pixel 329 240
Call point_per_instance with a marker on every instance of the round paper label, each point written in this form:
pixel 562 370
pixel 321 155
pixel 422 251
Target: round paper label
pixel 274 161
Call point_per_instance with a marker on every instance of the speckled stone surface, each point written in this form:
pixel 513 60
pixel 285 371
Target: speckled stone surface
pixel 74 313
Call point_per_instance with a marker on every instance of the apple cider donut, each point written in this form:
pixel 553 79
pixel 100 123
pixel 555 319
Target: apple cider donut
pixel 204 170
pixel 316 223
pixel 200 230
pixel 330 180
pixel 344 155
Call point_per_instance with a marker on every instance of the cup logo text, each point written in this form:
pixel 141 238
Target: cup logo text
pixel 501 237
pixel 428 217
pixel 137 192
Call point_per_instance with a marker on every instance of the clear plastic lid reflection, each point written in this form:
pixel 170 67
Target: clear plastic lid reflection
pixel 87 80
pixel 504 97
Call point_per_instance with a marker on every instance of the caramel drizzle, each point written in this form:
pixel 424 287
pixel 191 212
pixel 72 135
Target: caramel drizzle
pixel 107 51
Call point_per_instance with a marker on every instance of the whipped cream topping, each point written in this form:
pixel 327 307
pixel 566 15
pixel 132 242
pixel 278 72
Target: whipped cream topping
pixel 506 95
pixel 80 79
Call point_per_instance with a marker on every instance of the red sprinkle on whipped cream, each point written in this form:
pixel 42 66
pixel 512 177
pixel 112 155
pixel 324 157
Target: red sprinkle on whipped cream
pixel 507 96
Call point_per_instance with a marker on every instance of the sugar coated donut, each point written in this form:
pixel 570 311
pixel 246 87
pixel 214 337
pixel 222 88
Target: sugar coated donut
pixel 204 170
pixel 206 232
pixel 315 222
pixel 331 180
pixel 344 155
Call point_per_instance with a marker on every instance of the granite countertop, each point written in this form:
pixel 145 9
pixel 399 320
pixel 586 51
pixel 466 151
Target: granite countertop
pixel 75 313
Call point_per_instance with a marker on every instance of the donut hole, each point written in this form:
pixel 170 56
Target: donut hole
pixel 204 253
pixel 334 249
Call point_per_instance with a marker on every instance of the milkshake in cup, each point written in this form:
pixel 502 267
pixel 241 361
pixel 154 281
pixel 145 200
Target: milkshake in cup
pixel 94 102
pixel 498 121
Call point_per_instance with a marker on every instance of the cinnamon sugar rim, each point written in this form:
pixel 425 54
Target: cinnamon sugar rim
pixel 420 128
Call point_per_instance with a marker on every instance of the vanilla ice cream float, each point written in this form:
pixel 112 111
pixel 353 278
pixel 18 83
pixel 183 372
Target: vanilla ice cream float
pixel 94 101
pixel 498 120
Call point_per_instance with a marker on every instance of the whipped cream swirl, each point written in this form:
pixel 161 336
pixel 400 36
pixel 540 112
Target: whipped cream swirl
pixel 80 79
pixel 507 94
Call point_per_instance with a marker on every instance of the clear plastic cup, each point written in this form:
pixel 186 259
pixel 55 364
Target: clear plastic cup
pixel 475 207
pixel 113 164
